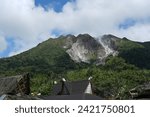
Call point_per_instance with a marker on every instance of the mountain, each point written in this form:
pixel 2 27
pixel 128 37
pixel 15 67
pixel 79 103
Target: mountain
pixel 88 49
pixel 62 53
pixel 117 64
pixel 66 52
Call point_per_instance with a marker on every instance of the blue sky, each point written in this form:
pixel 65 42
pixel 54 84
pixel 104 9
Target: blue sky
pixel 10 46
pixel 34 21
pixel 55 4
pixel 127 24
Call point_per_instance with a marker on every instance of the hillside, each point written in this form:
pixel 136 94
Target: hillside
pixel 66 52
pixel 116 64
pixel 48 55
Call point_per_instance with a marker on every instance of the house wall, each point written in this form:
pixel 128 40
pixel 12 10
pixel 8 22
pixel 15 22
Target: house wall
pixel 89 89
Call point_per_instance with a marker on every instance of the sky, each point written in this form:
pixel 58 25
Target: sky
pixel 25 23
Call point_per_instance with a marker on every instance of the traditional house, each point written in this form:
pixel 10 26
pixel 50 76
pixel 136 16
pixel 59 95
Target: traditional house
pixel 18 88
pixel 76 90
pixel 14 85
pixel 141 91
pixel 69 88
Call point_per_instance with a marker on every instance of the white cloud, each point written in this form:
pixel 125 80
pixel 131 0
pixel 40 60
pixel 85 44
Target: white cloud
pixel 29 25
pixel 139 32
pixel 3 44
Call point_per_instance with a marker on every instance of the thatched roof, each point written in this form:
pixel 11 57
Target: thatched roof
pixel 14 85
pixel 8 84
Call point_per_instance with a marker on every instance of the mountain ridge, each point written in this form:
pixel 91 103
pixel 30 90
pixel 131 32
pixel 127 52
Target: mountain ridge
pixel 116 64
pixel 69 51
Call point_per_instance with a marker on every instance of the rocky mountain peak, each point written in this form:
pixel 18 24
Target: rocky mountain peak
pixel 87 48
pixel 110 41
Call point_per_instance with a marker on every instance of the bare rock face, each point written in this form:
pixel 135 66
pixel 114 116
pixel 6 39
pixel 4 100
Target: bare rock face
pixel 87 49
pixel 109 42
pixel 69 40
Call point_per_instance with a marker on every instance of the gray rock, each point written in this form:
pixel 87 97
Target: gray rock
pixel 85 48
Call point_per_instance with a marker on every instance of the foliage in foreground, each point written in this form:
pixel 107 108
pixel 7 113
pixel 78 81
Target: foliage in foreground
pixel 112 81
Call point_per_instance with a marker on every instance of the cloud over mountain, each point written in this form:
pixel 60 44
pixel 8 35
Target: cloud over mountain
pixel 3 43
pixel 28 24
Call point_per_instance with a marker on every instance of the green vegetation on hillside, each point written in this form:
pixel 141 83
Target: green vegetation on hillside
pixel 114 80
pixel 111 81
pixel 48 56
pixel 49 62
pixel 135 53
